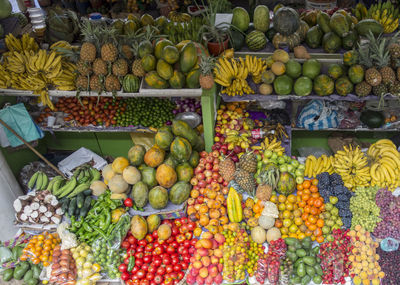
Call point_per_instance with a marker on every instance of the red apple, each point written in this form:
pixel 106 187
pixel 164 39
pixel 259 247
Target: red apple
pixel 190 279
pixel 220 267
pixel 202 252
pixel 205 260
pixel 209 280
pixel 203 273
pixel 214 244
pixel 199 280
pixel 219 238
pixel 218 279
pixel 213 270
pixel 218 252
pixel 214 260
pixel 197 264
pixel 194 272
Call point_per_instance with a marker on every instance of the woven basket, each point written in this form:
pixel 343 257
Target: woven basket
pixel 183 281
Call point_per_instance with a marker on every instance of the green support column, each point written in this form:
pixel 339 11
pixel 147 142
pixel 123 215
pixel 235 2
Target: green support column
pixel 208 111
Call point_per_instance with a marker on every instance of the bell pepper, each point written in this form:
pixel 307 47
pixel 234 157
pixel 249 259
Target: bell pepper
pixel 131 263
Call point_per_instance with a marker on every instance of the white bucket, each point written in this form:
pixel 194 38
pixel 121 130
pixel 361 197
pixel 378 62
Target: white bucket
pixel 321 5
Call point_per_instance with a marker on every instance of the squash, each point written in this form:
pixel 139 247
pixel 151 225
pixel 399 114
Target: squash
pixel 158 197
pixel 154 156
pixel 258 235
pixel 350 57
pixel 140 193
pixel 323 85
pixel 131 175
pixel 292 41
pixel 149 176
pixel 314 37
pixel 166 176
pixel 286 21
pixel 310 17
pixel 117 184
pixel 119 164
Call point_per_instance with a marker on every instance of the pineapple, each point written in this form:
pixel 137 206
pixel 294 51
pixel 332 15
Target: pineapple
pixel 394 88
pixel 127 52
pixel 268 180
pixel 248 162
pixel 137 67
pixel 380 55
pixel 227 169
pixel 363 89
pixel 84 68
pixel 82 82
pixel 99 67
pixel 120 67
pixel 246 181
pixel 264 192
pixel 388 75
pixel 112 83
pixel 398 73
pixel 206 78
pixel 88 49
pixel 394 49
pixel 96 84
pixel 380 90
pixel 373 77
pixel 109 50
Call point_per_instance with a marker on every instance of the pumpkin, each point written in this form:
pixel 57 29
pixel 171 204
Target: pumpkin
pixel 136 154
pixel 258 235
pixel 154 156
pixel 286 21
pixel 119 164
pixel 98 187
pixel 131 175
pixel 163 139
pixel 273 234
pixel 117 184
pixel 166 176
pixel 292 41
pixel 181 149
pixel 108 172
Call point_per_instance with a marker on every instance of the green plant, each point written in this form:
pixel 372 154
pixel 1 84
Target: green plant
pixel 220 6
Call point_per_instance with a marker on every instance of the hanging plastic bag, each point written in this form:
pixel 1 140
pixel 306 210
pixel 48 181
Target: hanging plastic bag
pixel 318 115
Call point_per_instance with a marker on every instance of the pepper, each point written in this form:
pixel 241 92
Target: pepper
pixel 110 229
pixel 131 263
pixel 99 231
pixel 87 227
pixel 107 220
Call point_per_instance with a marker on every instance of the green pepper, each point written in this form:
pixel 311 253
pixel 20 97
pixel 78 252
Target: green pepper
pixel 107 220
pixel 8 274
pixel 87 227
pixel 131 263
pixel 100 232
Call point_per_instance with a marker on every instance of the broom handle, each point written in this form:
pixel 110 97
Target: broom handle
pixel 32 148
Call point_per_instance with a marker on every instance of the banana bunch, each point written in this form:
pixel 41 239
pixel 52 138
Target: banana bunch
pixel 273 145
pixel 315 166
pixel 232 74
pixel 360 11
pixel 235 138
pixel 38 181
pixel 228 53
pixel 255 66
pixel 26 43
pixel 66 79
pixel 15 62
pixel 386 14
pixel 385 169
pixel 61 46
pixel 5 78
pixel 178 17
pixel 352 165
pixel 48 64
pixel 86 173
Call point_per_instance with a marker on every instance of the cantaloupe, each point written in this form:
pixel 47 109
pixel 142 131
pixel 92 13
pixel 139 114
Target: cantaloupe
pixel 108 172
pixel 98 187
pixel 117 184
pixel 131 175
pixel 119 164
pixel 258 235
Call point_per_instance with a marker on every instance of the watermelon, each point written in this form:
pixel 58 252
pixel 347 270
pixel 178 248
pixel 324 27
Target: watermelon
pixel 240 19
pixel 256 40
pixel 261 18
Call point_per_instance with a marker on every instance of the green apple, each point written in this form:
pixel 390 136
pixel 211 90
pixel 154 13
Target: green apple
pixel 329 222
pixel 328 206
pixel 281 160
pixel 327 215
pixel 265 160
pixel 329 238
pixel 290 168
pixel 334 211
pixel 333 199
pixel 274 156
pixel 299 179
pixel 295 163
pixel 339 222
pixel 283 168
pixel 301 167
pixel 299 172
pixel 286 158
pixel 335 227
pixel 326 230
pixel 267 153
pixel 273 160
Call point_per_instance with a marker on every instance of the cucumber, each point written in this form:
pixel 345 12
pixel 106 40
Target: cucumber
pixel 80 199
pixel 364 26
pixel 65 205
pixel 86 207
pixel 87 192
pixel 72 207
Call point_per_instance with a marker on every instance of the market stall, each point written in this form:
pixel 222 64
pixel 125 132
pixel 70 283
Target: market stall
pixel 193 143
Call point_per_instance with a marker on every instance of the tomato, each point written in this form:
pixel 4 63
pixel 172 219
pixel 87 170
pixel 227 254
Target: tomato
pixel 168 281
pixel 153 283
pixel 186 258
pixel 166 260
pixel 149 248
pixel 189 235
pixel 181 275
pixel 178 223
pixel 181 249
pixel 125 276
pixel 150 276
pixel 145 267
pixel 122 267
pixel 175 261
pixel 147 259
pixel 139 255
pixel 140 274
pixel 126 261
pixel 139 262
pixel 191 226
pixel 161 271
pixel 158 279
pixel 128 202
pixel 152 268
pixel 129 282
pixel 170 239
pixel 184 229
pixel 135 269
pixel 155 235
pixel 168 222
pixel 173 275
pixel 133 246
pixel 180 238
pixel 169 268
pixel 177 267
pixel 186 243
pixel 174 255
pixel 174 244
pixel 142 242
pixel 157 260
pixel 193 242
pixel 175 282
pixel 170 249
pixel 149 238
pixel 144 282
pixel 125 244
pixel 132 240
pixel 158 250
pixel 184 265
pixel 140 249
pixel 184 220
pixel 175 230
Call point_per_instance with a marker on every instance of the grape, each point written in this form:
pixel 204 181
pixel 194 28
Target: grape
pixel 364 208
pixel 390 214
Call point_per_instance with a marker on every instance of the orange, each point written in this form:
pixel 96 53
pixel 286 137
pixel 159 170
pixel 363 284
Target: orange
pixel 307 191
pixel 298 221
pixel 292 198
pixel 289 206
pixel 35 260
pixel 299 193
pixel 308 233
pixel 315 195
pixel 301 235
pixel 302 204
pixel 314 211
pixel 313 238
pixel 307 223
pixel 23 257
pixel 318 232
pixel 320 223
pixel 310 201
pixel 257 208
pixel 312 227
pixel 306 184
pixel 284 230
pixel 320 239
pixel 305 197
pixel 298 198
pixel 278 223
pixel 307 209
pixel 299 187
pixel 313 189
pixel 315 181
pixel 322 208
pixel 282 198
pixel 312 219
pixel 45 263
pixel 304 216
pixel 317 203
pixel 274 199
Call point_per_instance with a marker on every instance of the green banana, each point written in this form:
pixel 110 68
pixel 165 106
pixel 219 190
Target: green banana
pixel 45 181
pixel 80 188
pixel 67 188
pixel 39 181
pixel 33 179
pixel 80 175
pixel 52 182
pixel 57 186
pixel 95 174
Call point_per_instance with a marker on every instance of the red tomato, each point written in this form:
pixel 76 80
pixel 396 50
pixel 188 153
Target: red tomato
pixel 129 282
pixel 166 260
pixel 149 248
pixel 158 279
pixel 161 271
pixel 153 283
pixel 125 244
pixel 170 239
pixel 140 249
pixel 155 235
pixel 181 249
pixel 132 240
pixel 184 229
pixel 149 238
pixel 144 282
pixel 147 259
pixel 185 251
pixel 122 267
pixel 126 261
pixel 169 268
pixel 145 267
pixel 174 255
pixel 175 261
pixel 152 268
pixel 135 269
pixel 191 226
pixel 139 262
pixel 125 276
pixel 168 281
pixel 193 241
pixel 157 261
pixel 150 276
pixel 128 202
pixel 175 230
pixel 175 282
pixel 158 250
pixel 181 275
pixel 186 243
pixel 139 255
pixel 184 265
pixel 180 238
pixel 184 220
pixel 142 242
pixel 173 275
pixel 189 235
pixel 186 258
pixel 170 249
pixel 178 223
pixel 140 274
pixel 177 267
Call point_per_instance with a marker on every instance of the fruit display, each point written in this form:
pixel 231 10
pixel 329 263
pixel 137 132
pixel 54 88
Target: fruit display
pixel 364 210
pixel 389 212
pixel 364 259
pixel 384 13
pixel 40 248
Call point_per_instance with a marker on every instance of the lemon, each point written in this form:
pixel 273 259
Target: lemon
pixel 96 267
pixel 83 253
pixel 75 255
pixel 80 261
pixel 87 265
pixel 293 228
pixel 86 273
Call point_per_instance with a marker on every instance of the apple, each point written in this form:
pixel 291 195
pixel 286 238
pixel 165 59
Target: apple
pixel 220 267
pixel 206 261
pixel 283 168
pixel 329 238
pixel 299 173
pixel 213 270
pixel 301 167
pixel 203 273
pixel 274 156
pixel 218 252
pixel 299 180
pixel 289 167
pixel 281 160
pixel 199 280
pixel 268 153
pixel 326 230
pixel 194 272
pixel 295 163
pixel 333 199
pixel 214 243
pixel 214 260
pixel 191 279
pixel 218 279
pixel 202 252
pixel 209 280
pixel 339 222
pixel 329 222
pixel 219 238
pixel 286 158
pixel 207 235
pixel 328 206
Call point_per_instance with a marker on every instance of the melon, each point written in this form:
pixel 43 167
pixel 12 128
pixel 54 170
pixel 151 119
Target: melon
pixel 240 19
pixel 119 164
pixel 131 175
pixel 266 222
pixel 273 234
pixel 261 18
pixel 258 235
pixel 5 9
pixel 98 187
pixel 158 197
pixel 108 172
pixel 117 184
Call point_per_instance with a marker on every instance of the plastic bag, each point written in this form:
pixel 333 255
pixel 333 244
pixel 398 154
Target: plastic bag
pixel 68 239
pixel 63 269
pixel 261 272
pixel 316 151
pixel 5 254
pixel 88 272
pixel 389 244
